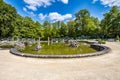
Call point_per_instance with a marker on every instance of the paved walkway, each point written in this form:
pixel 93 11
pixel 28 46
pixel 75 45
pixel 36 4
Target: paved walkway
pixel 104 67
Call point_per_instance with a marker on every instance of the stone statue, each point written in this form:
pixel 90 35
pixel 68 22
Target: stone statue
pixel 38 46
pixel 73 44
pixel 20 46
pixel 28 43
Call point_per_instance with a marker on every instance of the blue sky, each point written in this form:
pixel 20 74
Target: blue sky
pixel 61 10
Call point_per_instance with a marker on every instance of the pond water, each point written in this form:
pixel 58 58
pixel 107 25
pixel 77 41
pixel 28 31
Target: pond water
pixel 60 49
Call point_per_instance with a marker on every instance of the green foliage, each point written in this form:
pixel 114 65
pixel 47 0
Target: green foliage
pixel 63 30
pixel 84 25
pixel 6 46
pixel 100 41
pixel 111 22
pixel 71 29
pixel 87 24
pixel 7 18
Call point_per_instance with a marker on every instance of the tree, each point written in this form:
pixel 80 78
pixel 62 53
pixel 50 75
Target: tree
pixel 110 22
pixel 7 18
pixel 86 23
pixel 71 29
pixel 96 29
pixel 47 29
pixel 14 25
pixel 18 23
pixel 39 30
pixel 63 30
pixel 81 16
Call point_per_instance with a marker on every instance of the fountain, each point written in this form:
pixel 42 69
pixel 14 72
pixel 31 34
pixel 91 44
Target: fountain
pixel 69 49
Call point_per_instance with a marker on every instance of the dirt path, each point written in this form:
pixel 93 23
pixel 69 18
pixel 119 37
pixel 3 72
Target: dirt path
pixel 105 67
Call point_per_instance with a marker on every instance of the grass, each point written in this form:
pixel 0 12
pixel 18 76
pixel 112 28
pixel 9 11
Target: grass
pixel 7 46
pixel 59 49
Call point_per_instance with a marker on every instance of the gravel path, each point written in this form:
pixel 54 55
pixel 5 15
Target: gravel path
pixel 104 67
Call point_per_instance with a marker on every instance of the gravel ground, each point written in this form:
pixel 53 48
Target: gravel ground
pixel 104 67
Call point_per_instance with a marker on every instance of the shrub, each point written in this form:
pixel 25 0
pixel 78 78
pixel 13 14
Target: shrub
pixel 100 41
pixel 7 46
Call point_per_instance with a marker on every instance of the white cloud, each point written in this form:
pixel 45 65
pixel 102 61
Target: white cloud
pixel 41 16
pixel 95 1
pixel 54 16
pixel 34 4
pixel 32 7
pixel 65 1
pixel 30 13
pixel 24 9
pixel 109 3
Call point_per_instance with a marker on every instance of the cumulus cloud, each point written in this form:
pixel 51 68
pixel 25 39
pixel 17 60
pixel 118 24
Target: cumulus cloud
pixel 24 9
pixel 95 1
pixel 41 16
pixel 64 1
pixel 34 4
pixel 30 13
pixel 54 16
pixel 32 7
pixel 109 3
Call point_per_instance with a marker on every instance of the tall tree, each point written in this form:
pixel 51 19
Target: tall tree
pixel 63 30
pixel 47 29
pixel 81 16
pixel 71 29
pixel 110 21
pixel 7 18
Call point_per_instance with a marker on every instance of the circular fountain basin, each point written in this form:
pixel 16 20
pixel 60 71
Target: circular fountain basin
pixel 99 51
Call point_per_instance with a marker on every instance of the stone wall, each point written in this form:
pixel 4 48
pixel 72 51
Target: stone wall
pixel 97 47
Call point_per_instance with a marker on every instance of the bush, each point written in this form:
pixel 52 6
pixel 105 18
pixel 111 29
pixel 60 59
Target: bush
pixel 100 41
pixel 6 46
